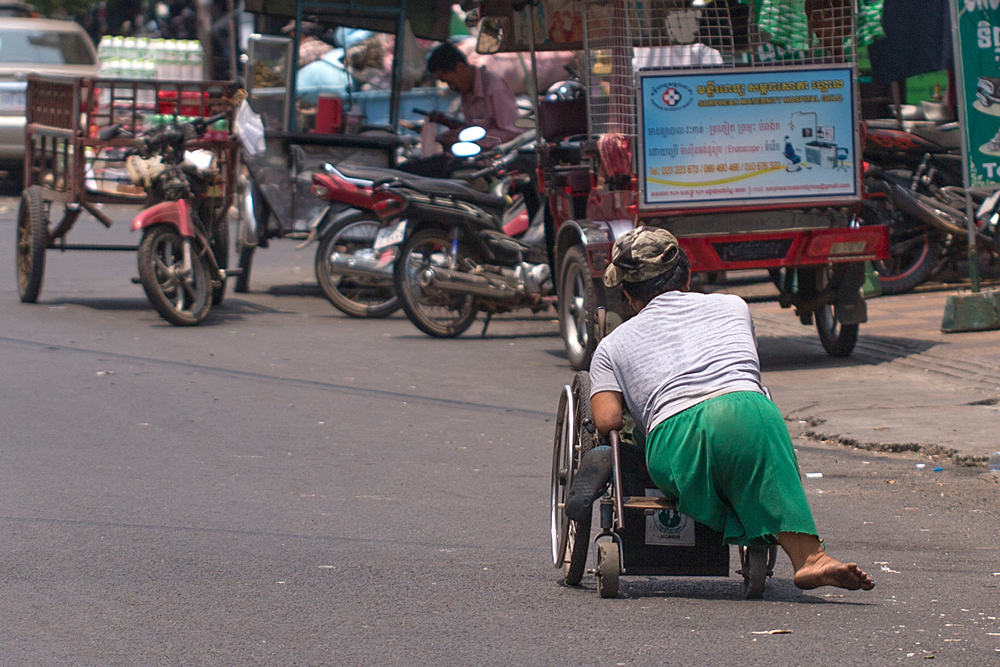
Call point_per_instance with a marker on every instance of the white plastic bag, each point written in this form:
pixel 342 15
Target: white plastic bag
pixel 250 129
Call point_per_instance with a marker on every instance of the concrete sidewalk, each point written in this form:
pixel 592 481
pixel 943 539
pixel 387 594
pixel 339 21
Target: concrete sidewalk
pixel 906 387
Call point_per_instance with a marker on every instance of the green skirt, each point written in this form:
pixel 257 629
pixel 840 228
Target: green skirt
pixel 730 464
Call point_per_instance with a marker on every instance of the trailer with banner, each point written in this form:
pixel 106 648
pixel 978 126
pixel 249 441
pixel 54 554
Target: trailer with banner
pixel 735 125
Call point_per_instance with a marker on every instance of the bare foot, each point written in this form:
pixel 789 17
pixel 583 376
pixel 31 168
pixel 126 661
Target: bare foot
pixel 823 570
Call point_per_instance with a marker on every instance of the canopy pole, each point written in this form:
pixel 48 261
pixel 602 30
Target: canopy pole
pixel 397 68
pixel 534 68
pixel 293 74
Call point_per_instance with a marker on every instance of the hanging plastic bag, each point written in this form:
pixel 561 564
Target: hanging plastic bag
pixel 250 129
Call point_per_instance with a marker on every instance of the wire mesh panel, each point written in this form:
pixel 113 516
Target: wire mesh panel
pixel 625 37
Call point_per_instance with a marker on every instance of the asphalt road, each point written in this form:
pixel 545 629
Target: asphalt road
pixel 284 485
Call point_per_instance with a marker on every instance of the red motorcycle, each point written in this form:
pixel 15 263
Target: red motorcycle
pixel 183 255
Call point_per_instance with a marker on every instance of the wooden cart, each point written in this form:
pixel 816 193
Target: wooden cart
pixel 67 163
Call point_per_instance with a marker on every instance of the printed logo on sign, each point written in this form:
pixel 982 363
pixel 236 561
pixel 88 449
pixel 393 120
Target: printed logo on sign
pixel 671 521
pixel 669 96
pixel 669 527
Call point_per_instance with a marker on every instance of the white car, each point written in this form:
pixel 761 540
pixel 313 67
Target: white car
pixel 35 46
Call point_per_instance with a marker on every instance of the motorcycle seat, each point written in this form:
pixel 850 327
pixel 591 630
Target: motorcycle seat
pixel 439 187
pixel 376 174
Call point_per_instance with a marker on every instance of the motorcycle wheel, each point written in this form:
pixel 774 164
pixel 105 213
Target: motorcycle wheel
pixel 220 248
pixel 911 261
pixel 577 305
pixel 182 300
pixel 441 315
pixel 357 296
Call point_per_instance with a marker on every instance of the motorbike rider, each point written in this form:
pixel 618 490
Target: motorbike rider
pixel 487 101
pixel 686 367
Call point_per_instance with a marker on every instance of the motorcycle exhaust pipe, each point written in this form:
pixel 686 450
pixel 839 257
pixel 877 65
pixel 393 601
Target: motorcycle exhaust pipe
pixel 351 265
pixel 929 211
pixel 445 280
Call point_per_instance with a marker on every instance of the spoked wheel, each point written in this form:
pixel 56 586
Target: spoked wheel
pixel 181 297
pixel 609 568
pixel 573 439
pixel 348 243
pixel 913 249
pixel 220 248
pixel 32 240
pixel 756 565
pixel 577 305
pixel 436 313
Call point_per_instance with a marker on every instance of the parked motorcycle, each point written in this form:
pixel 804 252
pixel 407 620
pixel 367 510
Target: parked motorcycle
pixel 461 252
pixel 183 255
pixel 913 182
pixel 354 275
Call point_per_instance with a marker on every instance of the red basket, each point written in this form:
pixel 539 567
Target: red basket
pixel 193 103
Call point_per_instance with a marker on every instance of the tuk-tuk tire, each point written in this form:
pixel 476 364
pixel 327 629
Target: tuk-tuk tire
pixel 242 284
pixel 575 283
pixel 838 339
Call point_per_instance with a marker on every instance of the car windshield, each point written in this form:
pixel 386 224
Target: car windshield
pixel 44 48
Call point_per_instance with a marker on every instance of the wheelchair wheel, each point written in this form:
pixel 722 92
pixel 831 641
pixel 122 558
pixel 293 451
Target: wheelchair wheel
pixel 757 564
pixel 609 560
pixel 574 437
pixel 570 540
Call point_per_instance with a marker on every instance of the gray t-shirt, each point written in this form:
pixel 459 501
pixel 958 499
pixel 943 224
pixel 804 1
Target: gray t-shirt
pixel 681 349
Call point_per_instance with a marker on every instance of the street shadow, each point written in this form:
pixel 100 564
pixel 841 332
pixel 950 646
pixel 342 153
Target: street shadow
pixel 294 290
pixel 782 353
pixel 98 303
pixel 714 588
pixel 230 310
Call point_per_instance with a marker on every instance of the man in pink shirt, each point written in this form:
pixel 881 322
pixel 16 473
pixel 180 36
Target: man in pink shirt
pixel 487 100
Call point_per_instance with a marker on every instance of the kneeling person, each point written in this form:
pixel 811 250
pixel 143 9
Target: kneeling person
pixel 686 367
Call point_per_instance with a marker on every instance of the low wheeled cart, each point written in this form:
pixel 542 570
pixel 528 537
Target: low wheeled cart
pixel 641 532
pixel 68 164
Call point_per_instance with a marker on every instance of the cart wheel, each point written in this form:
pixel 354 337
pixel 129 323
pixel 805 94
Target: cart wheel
pixel 180 299
pixel 246 261
pixel 609 560
pixel 577 305
pixel 32 240
pixel 570 539
pixel 220 248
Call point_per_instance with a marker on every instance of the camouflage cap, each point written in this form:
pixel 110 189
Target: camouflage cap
pixel 640 254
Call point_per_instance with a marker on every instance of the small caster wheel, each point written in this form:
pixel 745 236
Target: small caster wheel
pixel 757 565
pixel 608 569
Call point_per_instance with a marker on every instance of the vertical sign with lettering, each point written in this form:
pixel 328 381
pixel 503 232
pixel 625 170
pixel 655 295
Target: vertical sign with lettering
pixel 978 62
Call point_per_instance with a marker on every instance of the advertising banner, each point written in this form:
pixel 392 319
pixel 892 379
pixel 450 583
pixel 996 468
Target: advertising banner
pixel 978 51
pixel 710 138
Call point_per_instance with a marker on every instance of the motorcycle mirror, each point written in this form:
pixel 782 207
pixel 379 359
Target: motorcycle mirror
pixel 465 149
pixel 109 132
pixel 472 134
